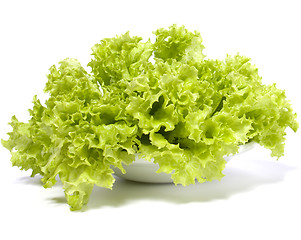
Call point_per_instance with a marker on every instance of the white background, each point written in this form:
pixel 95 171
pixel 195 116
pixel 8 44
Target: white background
pixel 258 199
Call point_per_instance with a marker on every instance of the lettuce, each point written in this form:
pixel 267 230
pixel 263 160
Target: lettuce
pixel 164 100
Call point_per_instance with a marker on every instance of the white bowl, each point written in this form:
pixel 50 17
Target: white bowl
pixel 142 170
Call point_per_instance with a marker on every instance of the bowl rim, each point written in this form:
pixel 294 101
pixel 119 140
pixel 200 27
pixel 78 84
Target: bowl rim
pixel 140 160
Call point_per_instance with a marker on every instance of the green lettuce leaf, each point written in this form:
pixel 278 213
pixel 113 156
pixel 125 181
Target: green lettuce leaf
pixel 67 138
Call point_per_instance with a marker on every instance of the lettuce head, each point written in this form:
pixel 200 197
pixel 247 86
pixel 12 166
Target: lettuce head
pixel 164 100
